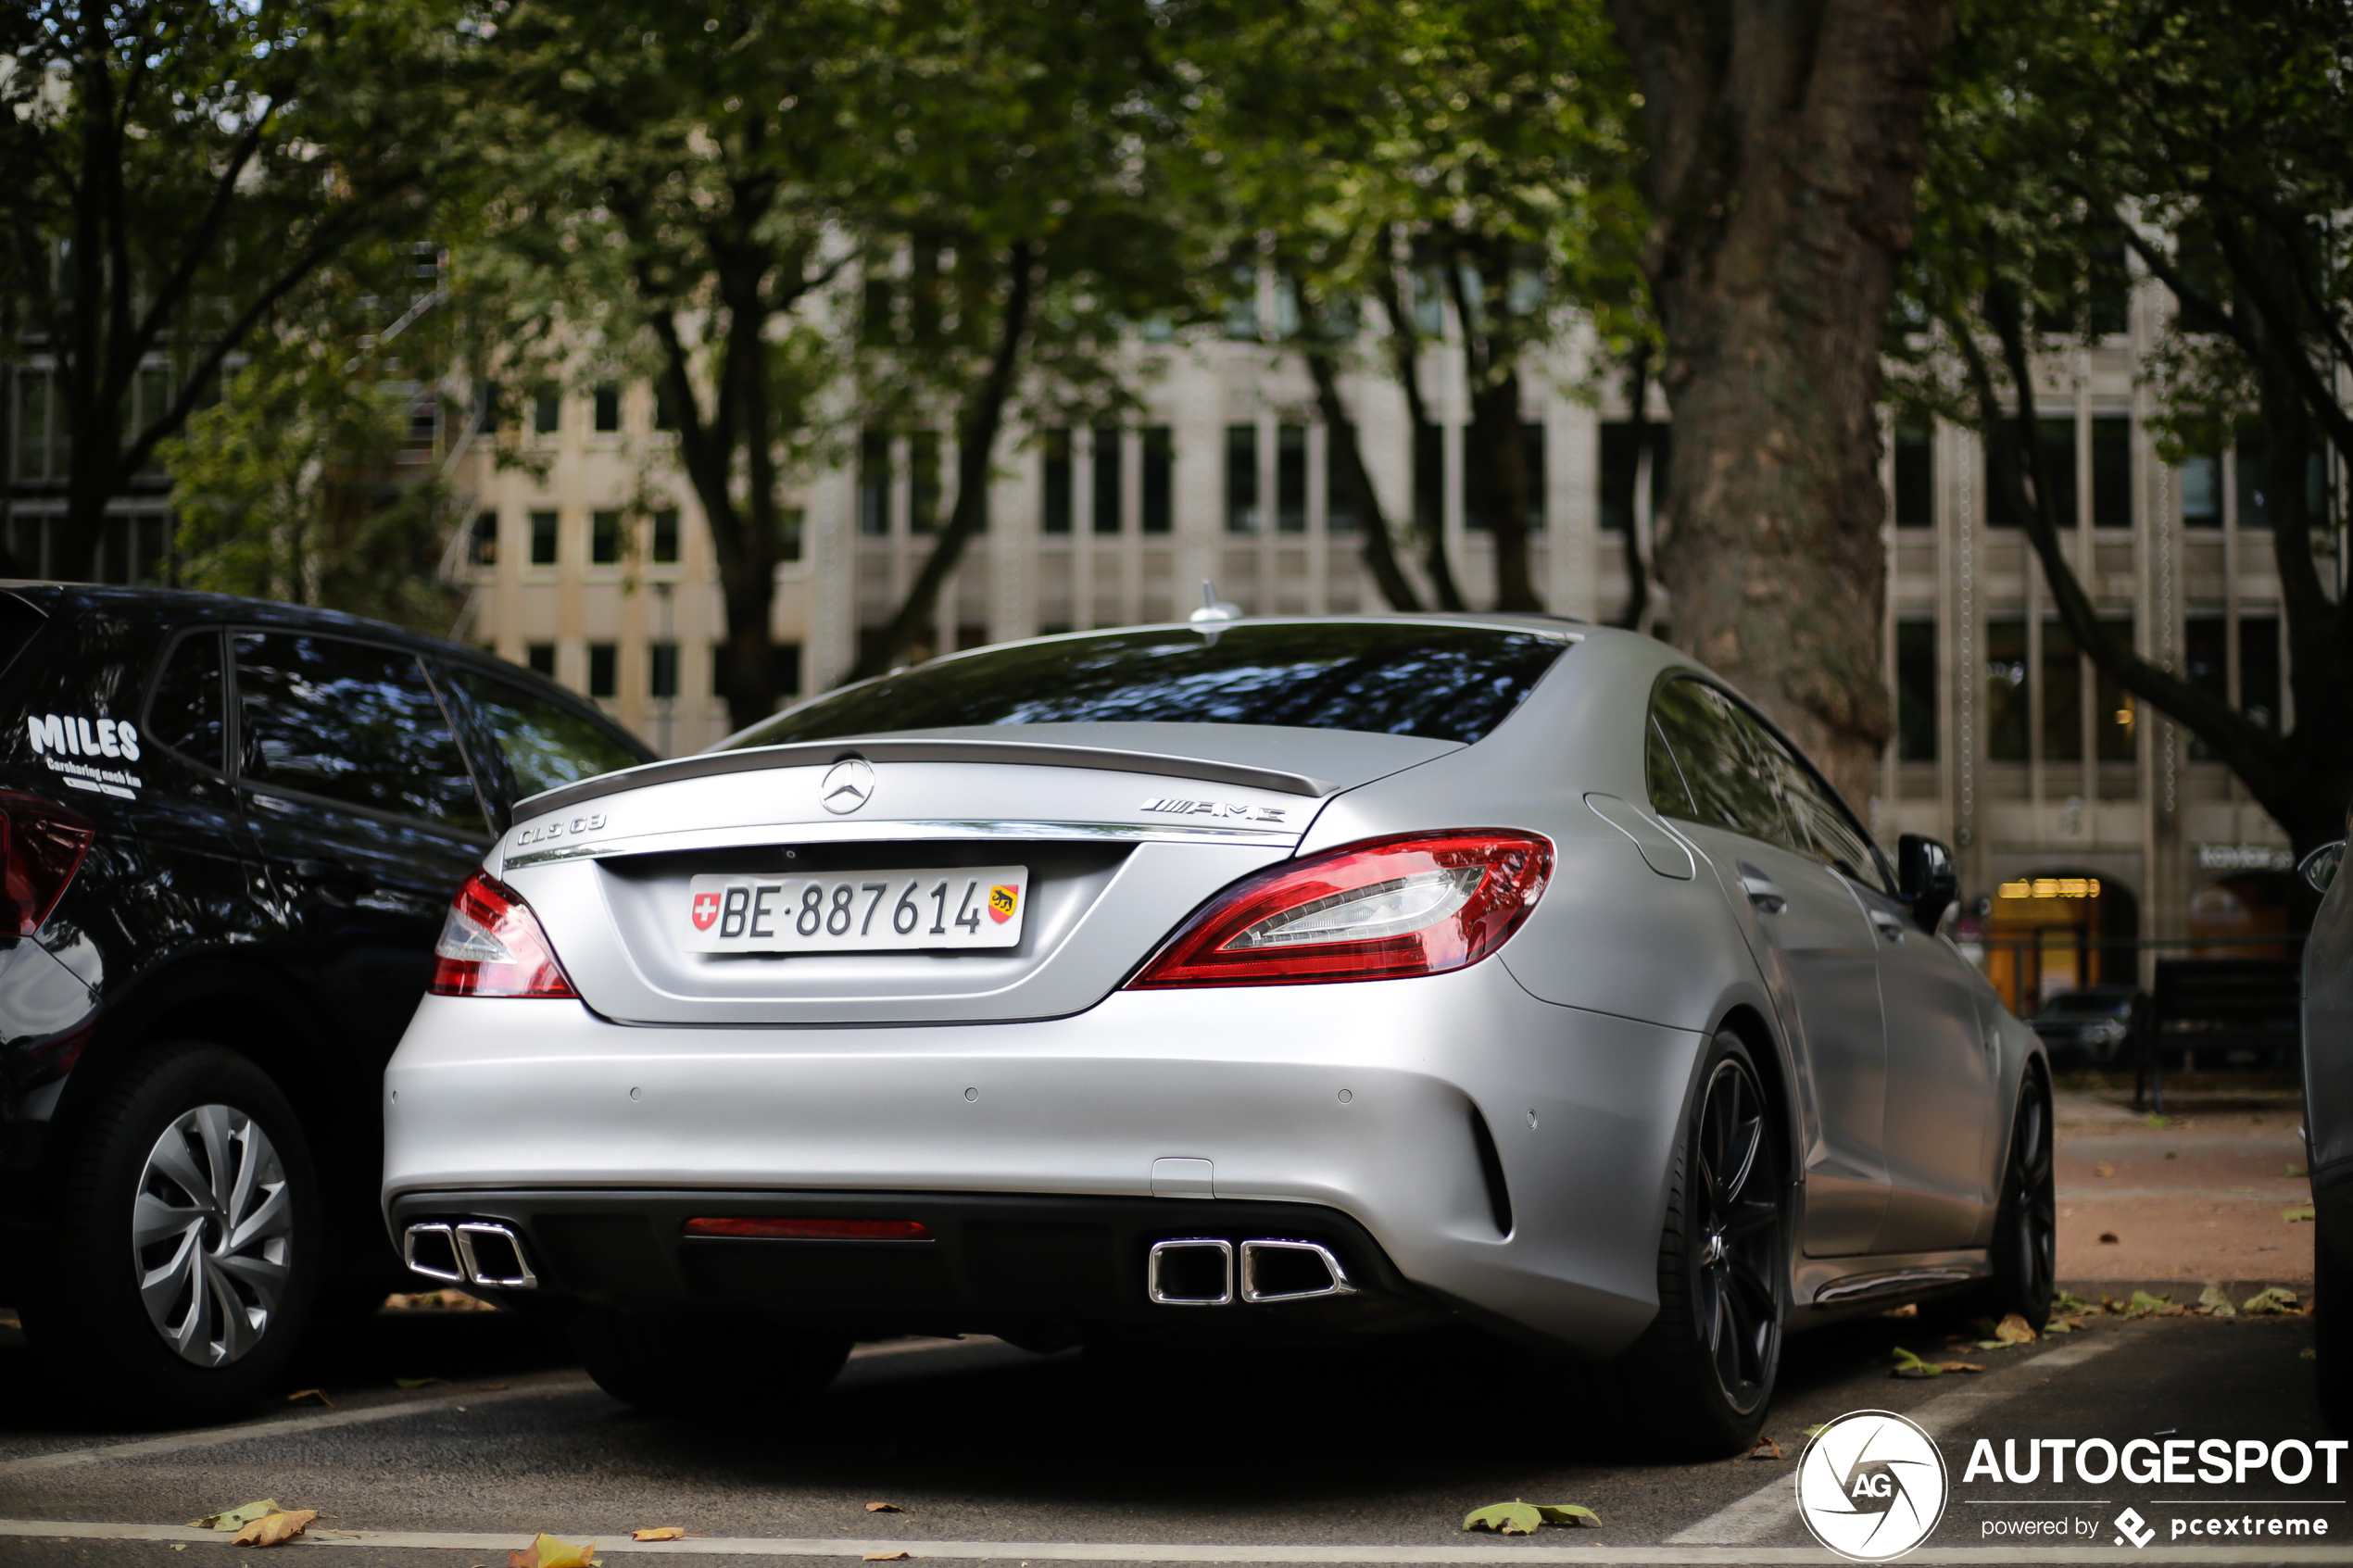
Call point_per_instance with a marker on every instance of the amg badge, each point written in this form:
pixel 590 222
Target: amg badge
pixel 1228 811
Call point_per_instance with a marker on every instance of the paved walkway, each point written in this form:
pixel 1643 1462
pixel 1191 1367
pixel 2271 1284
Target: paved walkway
pixel 2195 1196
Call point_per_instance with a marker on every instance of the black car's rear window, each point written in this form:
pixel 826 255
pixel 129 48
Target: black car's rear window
pixel 19 622
pixel 1441 682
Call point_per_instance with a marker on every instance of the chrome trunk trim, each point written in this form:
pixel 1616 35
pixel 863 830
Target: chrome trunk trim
pixel 880 831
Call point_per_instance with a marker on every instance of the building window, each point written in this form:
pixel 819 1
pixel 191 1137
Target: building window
pixel 1241 479
pixel 2007 735
pixel 2206 650
pixel 1339 507
pixel 874 483
pixel 2111 471
pixel 541 658
pixel 547 411
pixel 922 487
pixel 666 536
pixel 792 524
pixel 2055 449
pixel 608 409
pixel 665 410
pixel 486 410
pixel 485 543
pixel 2062 694
pixel 1160 479
pixel 1290 479
pixel 1622 470
pixel 1054 513
pixel 661 670
pixel 1914 478
pixel 1916 689
pixel 1107 477
pixel 2115 716
pixel 39 427
pixel 2111 289
pixel 2259 670
pixel 1241 308
pixel 2202 493
pixel 604 538
pixel 604 670
pixel 2254 481
pixel 543 538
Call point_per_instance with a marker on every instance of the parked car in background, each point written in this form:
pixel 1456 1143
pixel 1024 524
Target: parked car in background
pixel 2093 1027
pixel 230 831
pixel 1247 979
pixel 2328 1123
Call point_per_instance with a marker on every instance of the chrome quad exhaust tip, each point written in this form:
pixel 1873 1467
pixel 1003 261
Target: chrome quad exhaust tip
pixel 469 1253
pixel 1201 1272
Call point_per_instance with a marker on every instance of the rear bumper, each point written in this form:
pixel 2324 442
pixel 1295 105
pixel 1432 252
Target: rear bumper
pixel 491 1102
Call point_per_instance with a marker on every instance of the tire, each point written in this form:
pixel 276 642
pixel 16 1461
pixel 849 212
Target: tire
pixel 195 1317
pixel 712 1366
pixel 2333 1314
pixel 1698 1382
pixel 2025 1249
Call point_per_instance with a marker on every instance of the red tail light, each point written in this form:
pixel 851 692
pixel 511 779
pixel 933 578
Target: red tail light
pixel 41 847
pixel 1420 903
pixel 491 945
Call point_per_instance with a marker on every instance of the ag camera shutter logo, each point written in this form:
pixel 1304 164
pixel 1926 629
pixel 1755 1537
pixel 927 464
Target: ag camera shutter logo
pixel 1872 1485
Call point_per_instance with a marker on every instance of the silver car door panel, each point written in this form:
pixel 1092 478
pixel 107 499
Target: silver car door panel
pixel 1355 1097
pixel 1942 1096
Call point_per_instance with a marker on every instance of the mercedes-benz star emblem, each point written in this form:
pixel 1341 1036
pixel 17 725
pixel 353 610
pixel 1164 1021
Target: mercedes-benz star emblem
pixel 849 784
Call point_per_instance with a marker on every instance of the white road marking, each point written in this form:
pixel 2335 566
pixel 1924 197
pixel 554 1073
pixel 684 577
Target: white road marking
pixel 470 1397
pixel 1773 1506
pixel 1133 1551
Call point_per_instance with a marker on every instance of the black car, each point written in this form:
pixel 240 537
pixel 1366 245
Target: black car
pixel 229 833
pixel 2328 1123
pixel 2094 1026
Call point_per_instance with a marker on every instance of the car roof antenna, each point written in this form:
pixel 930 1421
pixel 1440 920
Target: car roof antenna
pixel 1213 609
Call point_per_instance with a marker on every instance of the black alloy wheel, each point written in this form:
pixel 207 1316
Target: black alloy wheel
pixel 2025 1252
pixel 1700 1377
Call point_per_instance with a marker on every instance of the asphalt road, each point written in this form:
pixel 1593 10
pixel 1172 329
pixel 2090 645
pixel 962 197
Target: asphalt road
pixel 993 1454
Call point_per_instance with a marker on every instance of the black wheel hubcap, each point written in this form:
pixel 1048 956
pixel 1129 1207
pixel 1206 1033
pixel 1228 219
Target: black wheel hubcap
pixel 2032 1197
pixel 1736 1237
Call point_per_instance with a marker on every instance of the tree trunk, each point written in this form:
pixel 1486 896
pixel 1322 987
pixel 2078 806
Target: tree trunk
pixel 1498 458
pixel 1784 142
pixel 1356 486
pixel 1638 564
pixel 975 440
pixel 1429 479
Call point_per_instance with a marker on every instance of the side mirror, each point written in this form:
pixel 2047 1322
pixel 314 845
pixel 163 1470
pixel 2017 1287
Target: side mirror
pixel 1924 874
pixel 2319 868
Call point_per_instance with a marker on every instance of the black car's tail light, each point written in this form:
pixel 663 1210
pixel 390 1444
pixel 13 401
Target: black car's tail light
pixel 41 847
pixel 491 945
pixel 1383 909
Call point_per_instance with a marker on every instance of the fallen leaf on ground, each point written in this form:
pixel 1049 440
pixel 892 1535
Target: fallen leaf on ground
pixel 2068 1304
pixel 660 1533
pixel 884 1508
pixel 2103 1170
pixel 415 1381
pixel 1909 1310
pixel 275 1529
pixel 2292 1215
pixel 236 1518
pixel 2142 1303
pixel 1910 1365
pixel 2171 1154
pixel 318 1394
pixel 2107 1238
pixel 2014 1330
pixel 2308 1354
pixel 1757 1450
pixel 2059 1328
pixel 1568 1513
pixel 2217 1302
pixel 1816 1430
pixel 2278 1299
pixel 2297 1171
pixel 886 1557
pixel 546 1551
pixel 1504 1519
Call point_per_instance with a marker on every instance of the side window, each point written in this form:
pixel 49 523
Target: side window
pixel 546 744
pixel 1819 825
pixel 351 721
pixel 1669 796
pixel 185 712
pixel 1727 790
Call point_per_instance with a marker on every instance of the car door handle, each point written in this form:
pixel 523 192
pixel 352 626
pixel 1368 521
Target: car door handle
pixel 1761 891
pixel 1888 927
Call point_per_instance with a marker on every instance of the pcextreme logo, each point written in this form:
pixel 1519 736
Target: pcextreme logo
pixel 1872 1485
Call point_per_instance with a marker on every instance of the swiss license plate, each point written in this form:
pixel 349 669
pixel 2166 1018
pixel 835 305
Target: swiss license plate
pixel 856 911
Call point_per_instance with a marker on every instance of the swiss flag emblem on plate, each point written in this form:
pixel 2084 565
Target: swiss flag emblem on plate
pixel 706 910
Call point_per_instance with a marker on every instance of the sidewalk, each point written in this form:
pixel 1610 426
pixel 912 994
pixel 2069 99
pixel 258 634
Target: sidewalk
pixel 2197 1197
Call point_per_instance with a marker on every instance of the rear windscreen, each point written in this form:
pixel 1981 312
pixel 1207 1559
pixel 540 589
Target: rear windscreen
pixel 19 622
pixel 1441 682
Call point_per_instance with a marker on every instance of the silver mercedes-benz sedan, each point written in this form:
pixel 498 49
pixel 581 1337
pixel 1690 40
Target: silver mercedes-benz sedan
pixel 1264 978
